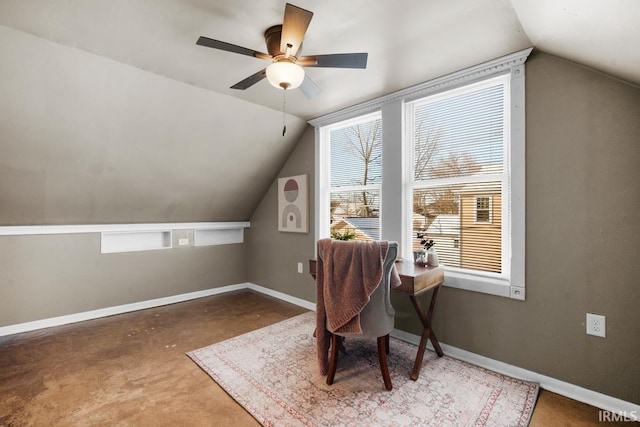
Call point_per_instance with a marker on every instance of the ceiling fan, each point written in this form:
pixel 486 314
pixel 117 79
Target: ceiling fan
pixel 283 44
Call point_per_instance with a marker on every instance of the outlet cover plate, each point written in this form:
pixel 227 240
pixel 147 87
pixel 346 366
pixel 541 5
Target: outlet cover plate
pixel 596 325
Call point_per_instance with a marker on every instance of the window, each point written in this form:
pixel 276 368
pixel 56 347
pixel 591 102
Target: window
pixel 483 209
pixel 451 151
pixel 458 144
pixel 354 153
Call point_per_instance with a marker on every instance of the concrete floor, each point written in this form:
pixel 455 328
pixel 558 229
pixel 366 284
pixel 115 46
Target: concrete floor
pixel 131 369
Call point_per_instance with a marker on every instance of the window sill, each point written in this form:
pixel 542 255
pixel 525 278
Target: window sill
pixel 486 285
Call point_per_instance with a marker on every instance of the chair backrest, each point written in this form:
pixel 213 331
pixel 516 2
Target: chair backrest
pixel 377 317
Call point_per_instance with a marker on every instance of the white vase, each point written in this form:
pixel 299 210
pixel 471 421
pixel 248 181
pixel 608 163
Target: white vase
pixel 432 258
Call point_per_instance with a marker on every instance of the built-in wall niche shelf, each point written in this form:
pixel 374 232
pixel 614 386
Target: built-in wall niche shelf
pixel 213 236
pixel 150 236
pixel 141 237
pixel 132 241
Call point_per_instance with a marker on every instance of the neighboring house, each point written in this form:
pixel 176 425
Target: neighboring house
pixel 339 212
pixel 472 237
pixel 480 229
pixel 368 226
pixel 364 228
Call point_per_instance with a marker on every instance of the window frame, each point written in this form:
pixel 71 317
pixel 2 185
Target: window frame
pixel 324 177
pixel 463 278
pixel 394 203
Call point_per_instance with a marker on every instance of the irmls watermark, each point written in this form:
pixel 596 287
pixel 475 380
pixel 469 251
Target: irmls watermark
pixel 620 416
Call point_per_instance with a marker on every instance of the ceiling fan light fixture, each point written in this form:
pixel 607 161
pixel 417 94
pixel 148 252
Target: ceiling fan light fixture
pixel 285 75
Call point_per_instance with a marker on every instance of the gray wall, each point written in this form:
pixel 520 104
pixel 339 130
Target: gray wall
pixel 582 201
pixel 273 255
pixel 88 140
pixel 46 276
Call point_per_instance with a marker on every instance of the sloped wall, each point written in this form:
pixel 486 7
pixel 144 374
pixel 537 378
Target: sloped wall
pixel 88 140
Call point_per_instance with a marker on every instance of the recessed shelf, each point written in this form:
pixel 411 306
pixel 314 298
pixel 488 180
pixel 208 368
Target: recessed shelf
pixel 142 237
pixel 131 241
pixel 208 237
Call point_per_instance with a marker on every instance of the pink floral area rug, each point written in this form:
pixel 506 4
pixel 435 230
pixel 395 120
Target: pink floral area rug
pixel 273 373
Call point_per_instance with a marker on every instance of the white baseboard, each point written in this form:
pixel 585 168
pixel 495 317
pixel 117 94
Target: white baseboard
pixel 126 308
pixel 110 311
pixel 288 298
pixel 590 397
pixel 575 392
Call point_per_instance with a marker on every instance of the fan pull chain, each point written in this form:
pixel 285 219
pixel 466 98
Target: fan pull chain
pixel 284 113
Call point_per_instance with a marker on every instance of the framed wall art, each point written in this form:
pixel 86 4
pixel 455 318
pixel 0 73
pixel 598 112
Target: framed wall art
pixel 293 204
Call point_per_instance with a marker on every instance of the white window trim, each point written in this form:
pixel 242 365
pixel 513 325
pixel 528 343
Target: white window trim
pixel 323 182
pixel 393 104
pixel 481 281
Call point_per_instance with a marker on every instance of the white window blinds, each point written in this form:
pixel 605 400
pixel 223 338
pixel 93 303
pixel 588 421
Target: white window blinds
pixel 459 144
pixel 355 175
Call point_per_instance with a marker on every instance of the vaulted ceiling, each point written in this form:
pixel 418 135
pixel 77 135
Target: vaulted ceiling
pixel 111 103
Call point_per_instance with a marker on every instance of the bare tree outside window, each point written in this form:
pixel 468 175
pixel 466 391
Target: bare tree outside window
pixel 366 144
pixel 356 175
pixel 456 164
pixel 426 143
pixel 427 165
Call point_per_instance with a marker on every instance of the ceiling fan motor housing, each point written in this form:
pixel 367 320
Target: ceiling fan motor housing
pixel 272 38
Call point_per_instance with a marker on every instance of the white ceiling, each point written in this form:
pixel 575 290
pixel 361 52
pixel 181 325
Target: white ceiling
pixel 408 41
pixel 602 34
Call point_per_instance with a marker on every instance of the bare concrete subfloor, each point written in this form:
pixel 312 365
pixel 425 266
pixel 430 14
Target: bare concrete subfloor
pixel 131 369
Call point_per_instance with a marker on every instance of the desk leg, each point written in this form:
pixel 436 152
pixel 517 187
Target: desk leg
pixel 427 332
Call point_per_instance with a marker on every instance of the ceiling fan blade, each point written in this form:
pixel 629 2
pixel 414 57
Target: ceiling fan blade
pixel 251 80
pixel 336 60
pixel 294 26
pixel 217 44
pixel 309 88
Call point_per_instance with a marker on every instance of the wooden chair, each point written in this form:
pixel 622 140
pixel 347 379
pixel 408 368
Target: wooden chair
pixel 376 320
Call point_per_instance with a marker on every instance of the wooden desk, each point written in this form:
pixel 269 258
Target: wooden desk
pixel 416 280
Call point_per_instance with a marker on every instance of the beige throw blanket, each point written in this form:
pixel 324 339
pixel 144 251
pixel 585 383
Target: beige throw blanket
pixel 347 273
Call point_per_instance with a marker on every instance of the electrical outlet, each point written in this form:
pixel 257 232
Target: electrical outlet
pixel 596 325
pixel 183 242
pixel 300 267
